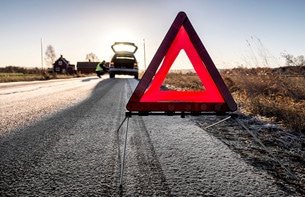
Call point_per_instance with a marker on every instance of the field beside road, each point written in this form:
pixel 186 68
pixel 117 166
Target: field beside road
pixel 15 74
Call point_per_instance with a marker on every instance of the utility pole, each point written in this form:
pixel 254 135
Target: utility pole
pixel 41 51
pixel 144 55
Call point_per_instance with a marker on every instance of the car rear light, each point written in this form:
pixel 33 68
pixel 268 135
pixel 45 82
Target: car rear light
pixel 135 64
pixel 111 64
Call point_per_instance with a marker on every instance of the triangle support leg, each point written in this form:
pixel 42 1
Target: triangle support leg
pixel 122 160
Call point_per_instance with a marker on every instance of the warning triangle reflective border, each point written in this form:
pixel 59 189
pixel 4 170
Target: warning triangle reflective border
pixel 148 96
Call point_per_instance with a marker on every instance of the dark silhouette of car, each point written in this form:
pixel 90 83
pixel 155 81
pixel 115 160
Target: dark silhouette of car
pixel 123 61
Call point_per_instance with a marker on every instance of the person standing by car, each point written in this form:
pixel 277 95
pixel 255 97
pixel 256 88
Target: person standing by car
pixel 100 68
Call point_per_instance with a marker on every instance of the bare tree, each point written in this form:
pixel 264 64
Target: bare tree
pixel 294 61
pixel 50 56
pixel 91 57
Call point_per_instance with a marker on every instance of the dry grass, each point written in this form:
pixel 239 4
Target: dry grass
pixel 269 93
pixel 13 77
pixel 14 74
pixel 183 82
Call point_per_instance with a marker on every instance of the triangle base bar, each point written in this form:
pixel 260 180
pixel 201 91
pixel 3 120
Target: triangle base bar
pixel 182 114
pixel 174 107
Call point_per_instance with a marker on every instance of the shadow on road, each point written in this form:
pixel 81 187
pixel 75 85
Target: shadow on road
pixel 89 79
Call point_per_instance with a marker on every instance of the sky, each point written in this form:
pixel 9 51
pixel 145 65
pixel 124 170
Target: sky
pixel 236 33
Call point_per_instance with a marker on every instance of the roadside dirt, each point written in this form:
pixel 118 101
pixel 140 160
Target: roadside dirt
pixel 265 146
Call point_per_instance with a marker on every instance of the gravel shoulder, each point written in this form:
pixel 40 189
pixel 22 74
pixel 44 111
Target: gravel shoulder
pixel 268 147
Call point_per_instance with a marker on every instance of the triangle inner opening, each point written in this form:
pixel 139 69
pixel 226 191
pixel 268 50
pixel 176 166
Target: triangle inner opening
pixel 182 76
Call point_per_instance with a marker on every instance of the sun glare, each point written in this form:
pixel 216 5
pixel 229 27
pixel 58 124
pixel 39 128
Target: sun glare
pixel 121 35
pixel 117 35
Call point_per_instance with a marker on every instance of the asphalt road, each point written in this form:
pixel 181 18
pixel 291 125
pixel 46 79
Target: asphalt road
pixel 59 138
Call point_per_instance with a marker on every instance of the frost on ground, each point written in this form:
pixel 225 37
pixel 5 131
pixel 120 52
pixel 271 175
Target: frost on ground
pixel 283 156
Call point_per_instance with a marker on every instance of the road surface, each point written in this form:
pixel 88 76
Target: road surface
pixel 59 138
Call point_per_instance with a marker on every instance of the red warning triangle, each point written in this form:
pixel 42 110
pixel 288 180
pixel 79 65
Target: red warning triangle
pixel 148 96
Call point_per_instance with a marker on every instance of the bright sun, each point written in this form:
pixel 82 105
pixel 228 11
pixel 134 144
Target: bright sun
pixel 121 35
pixel 117 35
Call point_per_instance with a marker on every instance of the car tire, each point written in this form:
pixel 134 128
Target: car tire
pixel 136 76
pixel 112 75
